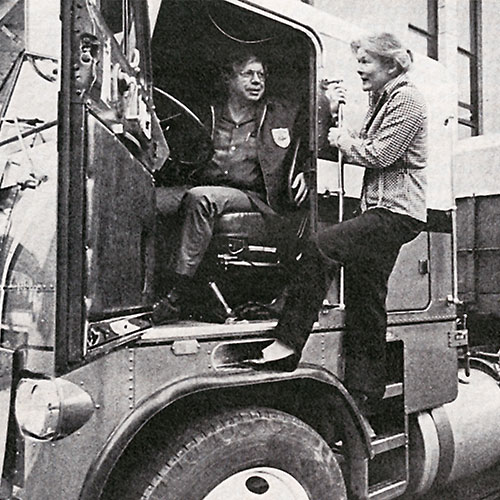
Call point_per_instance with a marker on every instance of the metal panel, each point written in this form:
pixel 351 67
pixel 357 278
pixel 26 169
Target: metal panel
pixel 479 252
pixel 488 271
pixel 6 357
pixel 108 382
pixel 430 368
pixel 488 213
pixel 441 258
pixel 409 286
pixel 120 226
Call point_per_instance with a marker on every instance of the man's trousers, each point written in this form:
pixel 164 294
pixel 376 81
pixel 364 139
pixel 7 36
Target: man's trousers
pixel 198 208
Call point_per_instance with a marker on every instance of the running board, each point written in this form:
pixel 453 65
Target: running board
pixel 387 489
pixel 381 444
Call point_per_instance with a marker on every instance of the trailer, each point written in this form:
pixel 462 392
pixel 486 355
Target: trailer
pixel 99 403
pixel 477 199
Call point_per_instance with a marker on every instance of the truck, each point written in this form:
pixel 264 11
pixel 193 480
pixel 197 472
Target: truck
pixel 476 193
pixel 97 98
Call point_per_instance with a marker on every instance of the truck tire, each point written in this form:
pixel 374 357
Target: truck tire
pixel 245 454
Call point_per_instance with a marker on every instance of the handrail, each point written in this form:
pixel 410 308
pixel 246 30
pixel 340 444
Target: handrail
pixel 341 192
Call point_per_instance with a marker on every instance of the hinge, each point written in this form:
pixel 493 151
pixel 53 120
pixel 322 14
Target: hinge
pixel 458 338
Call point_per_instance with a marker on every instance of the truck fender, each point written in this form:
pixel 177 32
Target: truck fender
pixel 124 433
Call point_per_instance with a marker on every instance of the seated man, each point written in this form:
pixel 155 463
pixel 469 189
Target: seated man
pixel 252 139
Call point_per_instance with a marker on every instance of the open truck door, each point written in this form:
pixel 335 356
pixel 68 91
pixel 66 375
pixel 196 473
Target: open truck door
pixel 110 145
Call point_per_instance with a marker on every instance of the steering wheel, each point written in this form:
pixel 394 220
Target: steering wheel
pixel 187 137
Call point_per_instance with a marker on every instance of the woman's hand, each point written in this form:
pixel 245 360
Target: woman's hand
pixel 344 133
pixel 333 136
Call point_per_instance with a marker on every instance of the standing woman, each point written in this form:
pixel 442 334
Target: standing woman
pixel 391 147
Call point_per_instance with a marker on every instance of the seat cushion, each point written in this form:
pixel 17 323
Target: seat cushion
pixel 253 227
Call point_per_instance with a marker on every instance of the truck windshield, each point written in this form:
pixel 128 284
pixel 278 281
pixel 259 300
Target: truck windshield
pixel 28 197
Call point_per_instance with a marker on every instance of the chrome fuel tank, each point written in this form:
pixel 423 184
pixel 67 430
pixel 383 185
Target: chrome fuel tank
pixel 457 439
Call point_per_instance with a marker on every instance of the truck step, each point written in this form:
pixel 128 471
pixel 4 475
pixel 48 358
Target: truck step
pixel 387 489
pixel 393 390
pixel 381 444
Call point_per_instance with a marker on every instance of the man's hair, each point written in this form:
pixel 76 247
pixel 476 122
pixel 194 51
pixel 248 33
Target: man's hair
pixel 387 48
pixel 238 58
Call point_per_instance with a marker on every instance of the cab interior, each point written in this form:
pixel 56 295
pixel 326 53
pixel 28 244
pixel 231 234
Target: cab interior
pixel 245 271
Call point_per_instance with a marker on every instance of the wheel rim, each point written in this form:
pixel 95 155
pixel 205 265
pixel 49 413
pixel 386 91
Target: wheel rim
pixel 259 483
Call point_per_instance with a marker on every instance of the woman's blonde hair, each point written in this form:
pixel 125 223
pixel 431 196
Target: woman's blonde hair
pixel 386 47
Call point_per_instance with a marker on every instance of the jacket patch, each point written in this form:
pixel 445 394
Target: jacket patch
pixel 281 137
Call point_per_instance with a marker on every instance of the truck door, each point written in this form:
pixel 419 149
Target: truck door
pixel 109 147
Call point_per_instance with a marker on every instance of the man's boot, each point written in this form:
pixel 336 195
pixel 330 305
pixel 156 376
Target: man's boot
pixel 168 309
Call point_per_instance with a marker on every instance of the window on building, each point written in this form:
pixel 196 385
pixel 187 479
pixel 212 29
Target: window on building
pixel 468 29
pixel 423 27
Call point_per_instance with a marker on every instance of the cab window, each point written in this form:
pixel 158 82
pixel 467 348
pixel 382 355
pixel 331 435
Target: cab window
pixel 121 18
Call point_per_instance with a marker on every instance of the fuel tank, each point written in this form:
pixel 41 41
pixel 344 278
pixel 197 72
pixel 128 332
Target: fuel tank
pixel 460 438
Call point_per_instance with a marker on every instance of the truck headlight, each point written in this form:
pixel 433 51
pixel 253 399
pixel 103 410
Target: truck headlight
pixel 51 409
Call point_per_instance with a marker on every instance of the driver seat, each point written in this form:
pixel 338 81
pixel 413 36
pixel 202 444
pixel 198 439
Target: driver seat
pixel 251 239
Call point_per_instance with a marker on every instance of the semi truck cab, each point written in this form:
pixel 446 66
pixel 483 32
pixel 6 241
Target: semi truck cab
pixel 98 403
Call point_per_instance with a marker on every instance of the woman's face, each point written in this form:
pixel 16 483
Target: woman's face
pixel 374 72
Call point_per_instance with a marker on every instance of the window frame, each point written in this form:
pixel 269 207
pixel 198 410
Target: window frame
pixel 430 32
pixel 473 54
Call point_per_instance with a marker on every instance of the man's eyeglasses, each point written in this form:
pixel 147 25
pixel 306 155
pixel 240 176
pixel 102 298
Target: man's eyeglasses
pixel 249 74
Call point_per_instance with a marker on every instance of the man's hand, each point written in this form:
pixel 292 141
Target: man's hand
pixel 336 95
pixel 299 185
